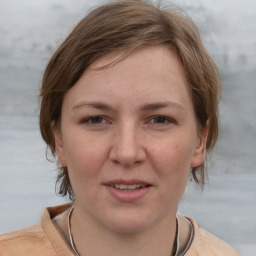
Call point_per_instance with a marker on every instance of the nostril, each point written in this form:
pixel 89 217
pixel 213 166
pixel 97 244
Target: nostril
pixel 126 150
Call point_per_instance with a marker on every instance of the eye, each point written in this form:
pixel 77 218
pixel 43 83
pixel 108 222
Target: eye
pixel 161 120
pixel 94 120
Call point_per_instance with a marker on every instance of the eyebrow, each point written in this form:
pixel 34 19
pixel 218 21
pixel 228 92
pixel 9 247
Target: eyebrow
pixel 160 105
pixel 145 107
pixel 97 105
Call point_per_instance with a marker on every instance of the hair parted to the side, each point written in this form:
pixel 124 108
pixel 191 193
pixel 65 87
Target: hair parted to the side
pixel 125 26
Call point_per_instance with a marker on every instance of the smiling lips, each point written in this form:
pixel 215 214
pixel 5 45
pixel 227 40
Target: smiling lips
pixel 128 187
pixel 128 191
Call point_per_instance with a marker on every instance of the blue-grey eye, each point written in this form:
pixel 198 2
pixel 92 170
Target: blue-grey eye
pixel 96 120
pixel 160 119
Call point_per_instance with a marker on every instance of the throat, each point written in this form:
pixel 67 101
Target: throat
pixel 150 242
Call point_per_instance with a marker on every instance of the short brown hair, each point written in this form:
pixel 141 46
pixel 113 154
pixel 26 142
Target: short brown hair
pixel 126 26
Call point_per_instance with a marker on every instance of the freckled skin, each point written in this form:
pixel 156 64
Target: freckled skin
pixel 128 144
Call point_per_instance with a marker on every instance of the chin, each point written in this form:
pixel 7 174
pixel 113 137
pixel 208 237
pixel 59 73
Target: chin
pixel 132 223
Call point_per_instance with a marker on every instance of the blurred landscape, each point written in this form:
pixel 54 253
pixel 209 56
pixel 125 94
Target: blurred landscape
pixel 30 31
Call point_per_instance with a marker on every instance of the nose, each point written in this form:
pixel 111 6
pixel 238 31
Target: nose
pixel 127 148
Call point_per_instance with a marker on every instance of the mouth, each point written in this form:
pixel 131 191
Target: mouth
pixel 128 190
pixel 128 187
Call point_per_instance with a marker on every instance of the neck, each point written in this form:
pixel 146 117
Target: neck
pixel 91 238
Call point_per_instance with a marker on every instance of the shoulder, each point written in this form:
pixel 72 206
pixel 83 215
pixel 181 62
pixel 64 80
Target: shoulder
pixel 40 240
pixel 214 245
pixel 25 241
pixel 205 243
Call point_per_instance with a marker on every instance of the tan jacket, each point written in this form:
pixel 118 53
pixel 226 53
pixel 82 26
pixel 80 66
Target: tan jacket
pixel 44 239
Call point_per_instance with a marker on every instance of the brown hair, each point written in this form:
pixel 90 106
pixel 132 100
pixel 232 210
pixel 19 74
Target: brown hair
pixel 126 26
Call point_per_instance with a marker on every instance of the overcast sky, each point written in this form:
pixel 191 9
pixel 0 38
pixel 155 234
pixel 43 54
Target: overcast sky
pixel 33 28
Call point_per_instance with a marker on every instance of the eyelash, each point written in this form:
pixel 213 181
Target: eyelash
pixel 90 120
pixel 160 118
pixel 99 120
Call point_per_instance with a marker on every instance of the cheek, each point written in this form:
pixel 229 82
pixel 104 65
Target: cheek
pixel 172 157
pixel 172 166
pixel 172 161
pixel 84 163
pixel 84 156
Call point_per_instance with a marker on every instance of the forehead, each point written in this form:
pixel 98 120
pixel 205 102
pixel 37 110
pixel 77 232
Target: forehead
pixel 151 73
pixel 147 68
pixel 160 59
pixel 147 53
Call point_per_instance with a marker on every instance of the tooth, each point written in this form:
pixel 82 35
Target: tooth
pixel 128 187
pixel 122 186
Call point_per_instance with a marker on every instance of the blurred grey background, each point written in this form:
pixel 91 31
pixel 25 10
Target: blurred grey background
pixel 30 31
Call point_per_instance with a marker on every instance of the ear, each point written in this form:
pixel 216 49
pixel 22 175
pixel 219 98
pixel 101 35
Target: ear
pixel 59 146
pixel 200 150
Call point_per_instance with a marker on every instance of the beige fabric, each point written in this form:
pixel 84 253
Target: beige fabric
pixel 61 222
pixel 44 239
pixel 185 235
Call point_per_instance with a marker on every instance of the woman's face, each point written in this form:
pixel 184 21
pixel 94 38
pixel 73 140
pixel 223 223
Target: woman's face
pixel 129 138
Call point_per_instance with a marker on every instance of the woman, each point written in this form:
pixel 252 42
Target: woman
pixel 130 108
